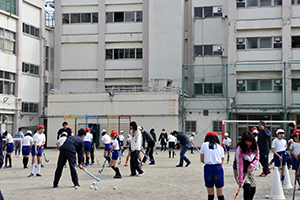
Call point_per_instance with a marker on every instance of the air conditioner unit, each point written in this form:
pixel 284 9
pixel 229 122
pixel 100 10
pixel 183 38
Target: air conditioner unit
pixel 277 39
pixel 220 9
pixel 240 40
pixel 241 82
pixel 278 81
pixel 219 48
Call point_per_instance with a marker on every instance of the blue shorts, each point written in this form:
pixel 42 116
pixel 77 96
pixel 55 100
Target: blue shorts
pixel 87 146
pixel 26 150
pixel 295 163
pixel 277 162
pixel 115 155
pixel 227 148
pixel 107 147
pixel 214 176
pixel 121 143
pixel 10 147
pixel 39 150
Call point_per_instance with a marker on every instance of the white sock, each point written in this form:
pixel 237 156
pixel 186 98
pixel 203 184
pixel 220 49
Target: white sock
pixel 32 168
pixel 38 168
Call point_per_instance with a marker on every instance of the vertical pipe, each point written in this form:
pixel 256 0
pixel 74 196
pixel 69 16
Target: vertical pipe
pixel 223 132
pixel 227 103
pixel 182 92
pixel 284 95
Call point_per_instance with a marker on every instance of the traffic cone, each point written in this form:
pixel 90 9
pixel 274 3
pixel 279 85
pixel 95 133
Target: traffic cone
pixel 276 189
pixel 287 180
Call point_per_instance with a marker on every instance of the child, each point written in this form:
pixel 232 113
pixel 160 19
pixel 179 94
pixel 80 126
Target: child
pixel 61 140
pixel 122 139
pixel 88 140
pixel 128 145
pixel 106 140
pixel 9 148
pixel 115 154
pixel 192 143
pixel 279 146
pixel 162 138
pixel 227 143
pixel 27 143
pixel 246 159
pixel 172 141
pixel 212 155
pixel 295 151
pixel 18 134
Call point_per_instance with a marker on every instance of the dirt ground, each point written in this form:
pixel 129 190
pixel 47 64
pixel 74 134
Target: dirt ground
pixel 161 181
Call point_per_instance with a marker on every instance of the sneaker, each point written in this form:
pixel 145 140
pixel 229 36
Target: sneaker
pixel 87 165
pixel 38 175
pixel 142 174
pixel 299 187
pixel 25 167
pixel 262 175
pixel 126 164
pixel 117 176
pixel 10 166
pixel 55 186
pixel 269 172
pixel 5 166
pixel 187 164
pixel 92 163
pixel 152 163
pixel 131 175
pixel 30 175
pixel 179 165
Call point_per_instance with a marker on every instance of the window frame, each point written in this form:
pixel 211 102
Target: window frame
pixel 31 108
pixel 32 32
pixel 92 19
pixel 245 85
pixel 188 123
pixel 136 19
pixel 213 53
pixel 212 89
pixel 245 3
pixel 213 14
pixel 119 52
pixel 9 81
pixel 31 68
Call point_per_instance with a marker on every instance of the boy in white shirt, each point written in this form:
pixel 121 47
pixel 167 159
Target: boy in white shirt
pixel 136 146
pixel 61 140
pixel 26 144
pixel 172 142
pixel 279 146
pixel 192 142
pixel 227 143
pixel 87 145
pixel 9 148
pixel 106 140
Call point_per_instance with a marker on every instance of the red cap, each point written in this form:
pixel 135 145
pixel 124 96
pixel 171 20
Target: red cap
pixel 212 133
pixel 254 128
pixel 113 133
pixel 87 129
pixel 296 132
pixel 40 126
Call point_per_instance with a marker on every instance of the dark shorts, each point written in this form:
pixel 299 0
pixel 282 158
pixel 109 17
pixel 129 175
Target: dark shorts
pixel 277 162
pixel 26 150
pixel 213 176
pixel 18 143
pixel 226 148
pixel 171 145
pixel 295 163
pixel 39 150
pixel 10 147
pixel 87 146
pixel 107 147
pixel 115 155
pixel 121 143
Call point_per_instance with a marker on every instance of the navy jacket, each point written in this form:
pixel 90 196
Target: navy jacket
pixel 263 140
pixel 60 131
pixel 183 138
pixel 94 136
pixel 75 145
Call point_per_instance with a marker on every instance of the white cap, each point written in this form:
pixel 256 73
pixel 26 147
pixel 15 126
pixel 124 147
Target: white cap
pixel 29 131
pixel 226 134
pixel 280 131
pixel 140 128
pixel 121 131
pixel 103 131
pixel 193 134
pixel 64 133
pixel 255 131
pixel 3 131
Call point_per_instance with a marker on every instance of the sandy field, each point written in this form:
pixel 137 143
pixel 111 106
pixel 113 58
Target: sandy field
pixel 161 181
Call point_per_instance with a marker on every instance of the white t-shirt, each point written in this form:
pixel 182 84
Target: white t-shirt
pixel 128 138
pixel 279 145
pixel 62 140
pixel 171 138
pixel 106 139
pixel 39 138
pixel 295 147
pixel 212 156
pixel 121 137
pixel 9 137
pixel 116 144
pixel 191 138
pixel 27 140
pixel 226 141
pixel 88 137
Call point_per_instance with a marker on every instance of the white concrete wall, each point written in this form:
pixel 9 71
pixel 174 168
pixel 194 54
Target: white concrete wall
pixel 31 14
pixel 259 98
pixel 31 88
pixel 31 50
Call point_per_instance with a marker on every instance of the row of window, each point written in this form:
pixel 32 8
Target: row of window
pixel 30 68
pixel 31 30
pixel 114 54
pixel 208 50
pixel 204 12
pixel 134 16
pixel 265 85
pixel 69 18
pixel 259 43
pixel 7 83
pixel 8 6
pixel 7 41
pixel 30 107
pixel 254 3
pixel 191 126
pixel 208 88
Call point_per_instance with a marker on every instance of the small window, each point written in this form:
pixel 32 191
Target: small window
pixel 121 53
pixel 86 18
pixel 252 43
pixel 32 69
pixel 296 41
pixel 119 16
pixel 205 112
pixel 190 126
pixel 208 88
pixel 198 88
pixel 109 17
pixel 218 88
pixel 26 28
pixel 208 11
pixel 139 53
pixel 116 54
pixel 265 85
pixel 266 43
pixel 75 18
pixel 217 126
pixel 208 50
pixel 251 3
pixel 129 16
pixel 265 2
pixel 109 54
pixel 36 108
pixel 65 19
pixel 278 2
pixel 37 32
pixel 32 30
pixel 252 85
pixel 132 53
pixel 198 50
pixel 296 85
pixel 198 12
pixel 95 17
pixel 139 16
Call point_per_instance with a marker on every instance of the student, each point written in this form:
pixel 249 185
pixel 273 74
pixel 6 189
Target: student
pixel 88 139
pixel 106 140
pixel 61 140
pixel 18 134
pixel 94 133
pixel 122 141
pixel 65 128
pixel 74 144
pixel 39 140
pixel 163 140
pixel 136 146
pixel 172 140
pixel 295 152
pixel 9 145
pixel 115 154
pixel 147 137
pixel 27 144
pixel 152 132
pixel 128 146
pixel 192 142
pixel 279 146
pixel 185 142
pixel 212 155
pixel 263 145
pixel 227 143
pixel 246 160
pixel 1 150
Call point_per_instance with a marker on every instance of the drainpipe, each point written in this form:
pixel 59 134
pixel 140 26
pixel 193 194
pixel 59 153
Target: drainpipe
pixel 284 95
pixel 182 93
pixel 227 103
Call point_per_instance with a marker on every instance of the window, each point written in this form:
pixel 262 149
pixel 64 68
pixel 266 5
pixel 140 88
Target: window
pixel 217 126
pixel 47 58
pixel 252 43
pixel 7 41
pixel 205 12
pixel 295 1
pixel 208 88
pixel 259 43
pixel 198 12
pixel 8 6
pixel 296 85
pixel 266 43
pixel 134 16
pixel 7 83
pixel 30 68
pixel 65 19
pixel 264 85
pixel 296 41
pixel 265 2
pixel 251 3
pixel 208 50
pixel 29 107
pixel 31 30
pixel 79 18
pixel 208 12
pixel 95 18
pixel 86 17
pixel 190 126
pixel 75 18
pixel 114 54
pixel 256 3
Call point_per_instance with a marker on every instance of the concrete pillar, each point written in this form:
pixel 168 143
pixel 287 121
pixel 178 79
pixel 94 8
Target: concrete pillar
pixel 145 67
pixel 57 45
pixel 101 44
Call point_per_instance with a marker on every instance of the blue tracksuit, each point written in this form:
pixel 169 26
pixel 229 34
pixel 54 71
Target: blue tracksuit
pixel 264 145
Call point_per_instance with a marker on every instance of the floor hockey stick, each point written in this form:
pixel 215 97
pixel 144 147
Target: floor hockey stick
pixel 196 148
pixel 240 188
pixel 101 170
pixel 97 179
pixel 95 149
pixel 44 153
pixel 146 156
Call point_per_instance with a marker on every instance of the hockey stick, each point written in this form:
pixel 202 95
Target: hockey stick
pixel 196 148
pixel 95 149
pixel 45 156
pixel 226 155
pixel 147 156
pixel 97 179
pixel 101 170
pixel 240 188
pixel 119 160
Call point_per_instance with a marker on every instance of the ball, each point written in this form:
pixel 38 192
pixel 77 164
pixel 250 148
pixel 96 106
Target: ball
pixel 76 187
pixel 91 187
pixel 96 188
pixel 267 196
pixel 94 183
pixel 114 187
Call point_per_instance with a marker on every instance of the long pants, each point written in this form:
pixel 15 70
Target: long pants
pixel 17 149
pixel 134 163
pixel 65 155
pixel 163 146
pixel 249 192
pixel 182 154
pixel 149 152
pixel 263 159
pixel 92 153
pixel 1 197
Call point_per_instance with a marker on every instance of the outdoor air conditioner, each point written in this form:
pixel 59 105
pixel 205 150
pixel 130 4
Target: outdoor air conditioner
pixel 278 81
pixel 241 82
pixel 277 39
pixel 241 40
pixel 219 48
pixel 220 9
